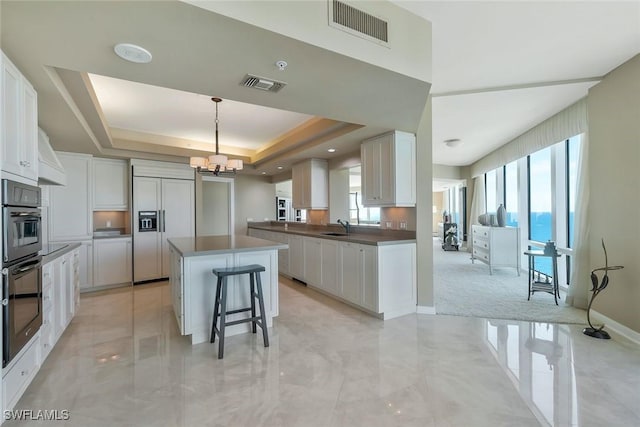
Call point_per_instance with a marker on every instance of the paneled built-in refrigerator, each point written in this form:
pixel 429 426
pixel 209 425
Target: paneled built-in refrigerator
pixel 163 208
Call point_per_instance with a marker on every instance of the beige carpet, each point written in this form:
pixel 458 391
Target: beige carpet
pixel 465 289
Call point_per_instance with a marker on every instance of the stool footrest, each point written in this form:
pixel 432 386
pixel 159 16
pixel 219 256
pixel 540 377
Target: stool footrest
pixel 248 319
pixel 240 310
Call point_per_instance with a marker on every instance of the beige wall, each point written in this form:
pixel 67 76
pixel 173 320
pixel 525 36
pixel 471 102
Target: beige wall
pixel 424 187
pixel 408 52
pixel 255 198
pixel 215 209
pixel 614 206
pixel 448 172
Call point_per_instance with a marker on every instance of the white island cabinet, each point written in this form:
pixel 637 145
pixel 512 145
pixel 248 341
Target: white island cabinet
pixel 193 285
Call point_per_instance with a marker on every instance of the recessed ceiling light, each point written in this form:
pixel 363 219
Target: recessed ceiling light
pixel 133 53
pixel 279 168
pixel 331 150
pixel 453 142
pixel 264 173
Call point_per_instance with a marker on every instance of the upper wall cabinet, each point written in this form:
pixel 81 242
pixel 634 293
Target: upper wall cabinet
pixel 70 216
pixel 110 185
pixel 19 123
pixel 310 182
pixel 389 170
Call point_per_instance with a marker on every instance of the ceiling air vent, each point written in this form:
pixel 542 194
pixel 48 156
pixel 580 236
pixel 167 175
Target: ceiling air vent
pixel 357 22
pixel 262 83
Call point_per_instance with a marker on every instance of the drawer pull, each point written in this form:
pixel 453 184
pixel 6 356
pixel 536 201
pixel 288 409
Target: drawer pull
pixel 24 373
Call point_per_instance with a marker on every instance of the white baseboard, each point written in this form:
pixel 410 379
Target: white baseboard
pixel 616 327
pixel 425 309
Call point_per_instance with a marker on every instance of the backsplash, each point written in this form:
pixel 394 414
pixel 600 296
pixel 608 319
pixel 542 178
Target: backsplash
pixel 111 219
pixel 393 218
pixel 317 216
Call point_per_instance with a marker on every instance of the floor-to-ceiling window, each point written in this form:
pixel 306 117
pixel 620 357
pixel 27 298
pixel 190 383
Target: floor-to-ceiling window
pixel 572 146
pixel 540 196
pixel 511 193
pixel 573 152
pixel 540 199
pixel 491 191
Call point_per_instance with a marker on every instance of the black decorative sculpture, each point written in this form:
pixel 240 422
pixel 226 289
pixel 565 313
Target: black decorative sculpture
pixel 596 289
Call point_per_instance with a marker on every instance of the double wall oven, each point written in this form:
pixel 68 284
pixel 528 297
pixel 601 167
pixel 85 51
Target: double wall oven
pixel 21 266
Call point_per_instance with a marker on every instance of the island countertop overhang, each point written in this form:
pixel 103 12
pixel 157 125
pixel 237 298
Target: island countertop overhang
pixel 214 245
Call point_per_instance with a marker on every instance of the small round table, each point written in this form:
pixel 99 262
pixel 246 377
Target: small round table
pixel 543 286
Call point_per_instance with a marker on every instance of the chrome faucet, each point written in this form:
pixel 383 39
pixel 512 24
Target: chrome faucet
pixel 346 225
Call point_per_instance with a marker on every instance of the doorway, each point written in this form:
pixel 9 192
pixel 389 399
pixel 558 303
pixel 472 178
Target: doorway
pixel 215 207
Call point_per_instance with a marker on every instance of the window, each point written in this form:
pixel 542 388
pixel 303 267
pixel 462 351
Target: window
pixel 540 196
pixel 490 191
pixel 511 193
pixel 573 153
pixel 358 214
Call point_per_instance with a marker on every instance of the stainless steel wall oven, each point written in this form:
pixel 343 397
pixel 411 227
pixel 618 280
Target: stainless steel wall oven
pixel 21 266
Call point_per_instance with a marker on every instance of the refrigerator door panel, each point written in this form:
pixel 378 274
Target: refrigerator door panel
pixel 147 257
pixel 147 253
pixel 178 216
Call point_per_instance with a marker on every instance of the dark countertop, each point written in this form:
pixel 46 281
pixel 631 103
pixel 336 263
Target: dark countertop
pixel 53 251
pixel 374 237
pixel 217 245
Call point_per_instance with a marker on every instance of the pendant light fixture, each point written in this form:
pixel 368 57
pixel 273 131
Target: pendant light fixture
pixel 217 164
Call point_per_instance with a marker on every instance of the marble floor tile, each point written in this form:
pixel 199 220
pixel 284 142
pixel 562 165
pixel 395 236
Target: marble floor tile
pixel 122 362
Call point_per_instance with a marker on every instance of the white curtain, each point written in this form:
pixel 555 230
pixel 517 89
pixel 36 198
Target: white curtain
pixel 580 283
pixel 477 206
pixel 563 125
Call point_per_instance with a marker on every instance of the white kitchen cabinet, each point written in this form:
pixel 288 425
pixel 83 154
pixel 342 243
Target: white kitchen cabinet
pixel 380 279
pixel 389 170
pixel 283 254
pixel 71 206
pixel 111 261
pixel 19 123
pixel 310 184
pixel 110 185
pixel 296 257
pixel 369 285
pixel 359 275
pixel 20 372
pixel 350 275
pixel 47 337
pixel 330 261
pixel 312 261
pixel 84 262
pixel 177 289
pixel 496 246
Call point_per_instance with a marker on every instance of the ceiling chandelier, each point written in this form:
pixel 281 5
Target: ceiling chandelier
pixel 217 164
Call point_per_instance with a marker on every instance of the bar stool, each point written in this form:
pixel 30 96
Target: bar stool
pixel 220 307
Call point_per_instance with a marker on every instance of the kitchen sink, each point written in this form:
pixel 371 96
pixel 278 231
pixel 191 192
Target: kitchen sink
pixel 335 234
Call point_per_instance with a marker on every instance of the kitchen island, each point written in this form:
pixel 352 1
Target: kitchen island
pixel 193 285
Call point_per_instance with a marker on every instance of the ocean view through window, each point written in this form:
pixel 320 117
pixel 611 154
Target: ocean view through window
pixel 540 199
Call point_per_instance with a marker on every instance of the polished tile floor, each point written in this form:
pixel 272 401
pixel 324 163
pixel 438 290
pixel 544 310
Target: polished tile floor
pixel 122 363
